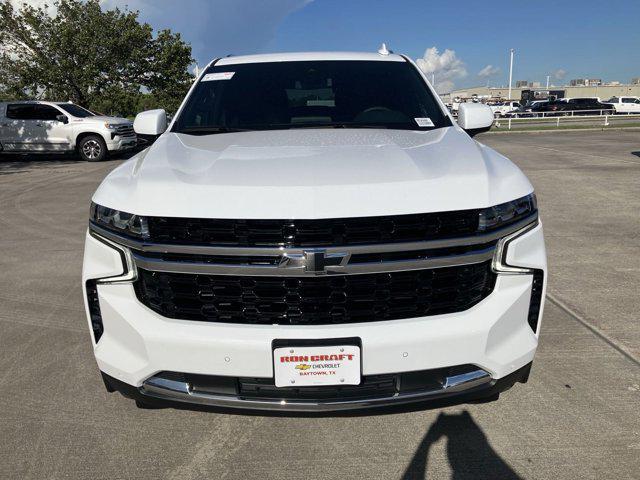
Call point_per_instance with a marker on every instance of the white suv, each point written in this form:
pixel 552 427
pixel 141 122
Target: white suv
pixel 625 104
pixel 62 127
pixel 314 232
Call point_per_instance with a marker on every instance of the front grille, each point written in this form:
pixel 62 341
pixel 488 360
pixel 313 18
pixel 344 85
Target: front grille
pixel 332 299
pixel 125 131
pixel 317 233
pixel 370 386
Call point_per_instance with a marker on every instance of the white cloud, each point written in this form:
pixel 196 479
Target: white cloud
pixel 445 68
pixel 559 74
pixel 489 71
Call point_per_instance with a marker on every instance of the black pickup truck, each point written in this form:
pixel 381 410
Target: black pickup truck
pixel 575 106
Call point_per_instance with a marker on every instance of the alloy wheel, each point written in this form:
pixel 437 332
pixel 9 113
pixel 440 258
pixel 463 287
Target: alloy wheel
pixel 91 149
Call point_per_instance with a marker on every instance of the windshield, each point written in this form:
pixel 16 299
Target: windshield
pixel 331 94
pixel 76 110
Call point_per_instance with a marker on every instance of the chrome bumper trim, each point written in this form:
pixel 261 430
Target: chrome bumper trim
pixel 172 390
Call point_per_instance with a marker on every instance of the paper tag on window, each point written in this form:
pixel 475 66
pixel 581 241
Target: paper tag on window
pixel 424 122
pixel 209 77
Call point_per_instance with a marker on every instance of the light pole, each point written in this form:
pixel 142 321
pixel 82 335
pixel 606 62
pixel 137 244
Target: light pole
pixel 510 71
pixel 547 82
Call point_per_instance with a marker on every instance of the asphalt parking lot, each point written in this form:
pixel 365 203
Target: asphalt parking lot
pixel 578 417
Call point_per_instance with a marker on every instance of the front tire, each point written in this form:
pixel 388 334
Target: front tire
pixel 92 148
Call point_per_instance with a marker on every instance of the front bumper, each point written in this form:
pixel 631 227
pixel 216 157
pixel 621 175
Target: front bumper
pixel 477 386
pixel 137 343
pixel 118 143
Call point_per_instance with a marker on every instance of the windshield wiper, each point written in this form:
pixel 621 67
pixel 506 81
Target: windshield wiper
pixel 389 126
pixel 210 130
pixel 334 125
pixel 337 125
pixel 204 130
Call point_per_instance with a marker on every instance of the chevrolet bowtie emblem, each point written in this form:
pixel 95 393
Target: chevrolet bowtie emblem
pixel 314 262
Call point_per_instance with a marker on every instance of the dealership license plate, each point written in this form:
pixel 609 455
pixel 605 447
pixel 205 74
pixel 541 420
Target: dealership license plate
pixel 316 366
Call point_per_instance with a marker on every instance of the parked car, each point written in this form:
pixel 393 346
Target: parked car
pixel 574 106
pixel 579 99
pixel 35 126
pixel 624 104
pixel 314 232
pixel 529 105
pixel 525 110
pixel 502 108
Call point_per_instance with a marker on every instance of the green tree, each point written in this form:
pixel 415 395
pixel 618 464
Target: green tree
pixel 105 60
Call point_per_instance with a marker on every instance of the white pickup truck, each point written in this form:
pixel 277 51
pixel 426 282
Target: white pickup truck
pixel 35 126
pixel 314 232
pixel 625 104
pixel 502 108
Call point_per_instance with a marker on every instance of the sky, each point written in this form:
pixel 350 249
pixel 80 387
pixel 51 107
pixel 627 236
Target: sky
pixel 462 43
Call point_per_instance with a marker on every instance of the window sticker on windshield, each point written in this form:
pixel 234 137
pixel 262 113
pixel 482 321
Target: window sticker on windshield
pixel 424 122
pixel 209 77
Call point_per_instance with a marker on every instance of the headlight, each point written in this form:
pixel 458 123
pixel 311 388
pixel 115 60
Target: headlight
pixel 507 213
pixel 111 126
pixel 120 222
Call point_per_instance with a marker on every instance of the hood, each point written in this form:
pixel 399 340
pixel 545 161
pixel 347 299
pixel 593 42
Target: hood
pixel 102 119
pixel 312 173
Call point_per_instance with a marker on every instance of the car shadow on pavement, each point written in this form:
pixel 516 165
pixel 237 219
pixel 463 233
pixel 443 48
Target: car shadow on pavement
pixel 469 453
pixel 21 163
pixel 11 163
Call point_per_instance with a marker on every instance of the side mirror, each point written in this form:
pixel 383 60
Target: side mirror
pixel 475 118
pixel 151 122
pixel 62 118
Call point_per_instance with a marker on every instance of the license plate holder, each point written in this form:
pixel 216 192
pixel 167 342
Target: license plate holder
pixel 317 365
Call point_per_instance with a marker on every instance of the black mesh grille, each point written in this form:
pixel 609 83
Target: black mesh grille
pixel 323 232
pixel 315 300
pixel 371 386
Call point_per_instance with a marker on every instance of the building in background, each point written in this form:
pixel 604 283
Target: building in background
pixel 603 92
pixel 635 81
pixel 585 82
pixel 522 83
